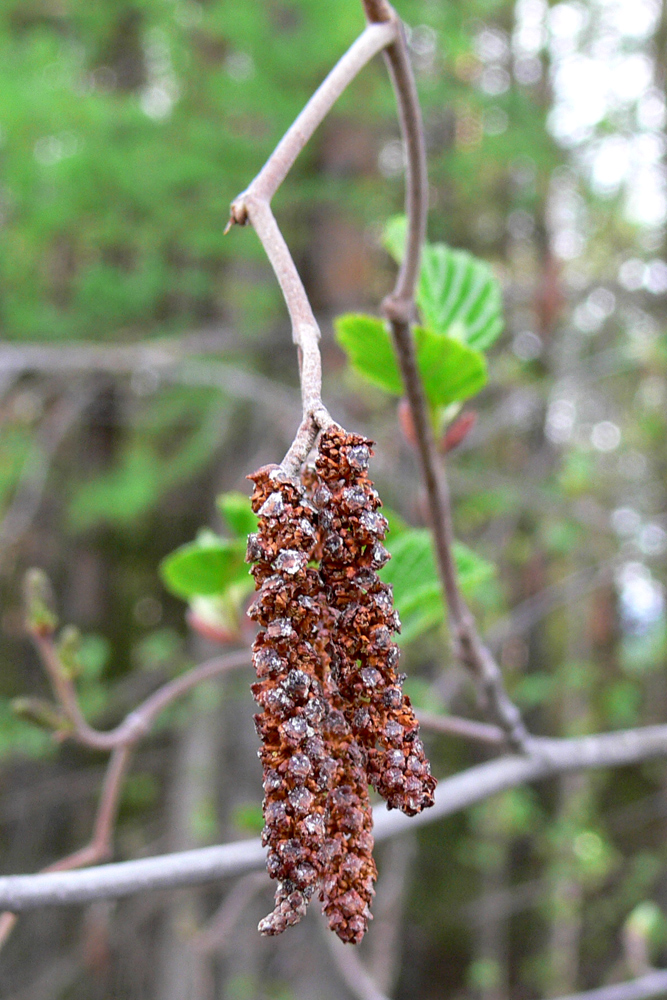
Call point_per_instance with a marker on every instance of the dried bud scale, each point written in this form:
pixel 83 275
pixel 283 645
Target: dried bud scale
pixel 364 658
pixel 289 690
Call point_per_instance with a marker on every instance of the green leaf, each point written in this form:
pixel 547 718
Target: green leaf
pixel 237 512
pixel 367 343
pixel 417 591
pixel 458 294
pixel 451 371
pixel 204 567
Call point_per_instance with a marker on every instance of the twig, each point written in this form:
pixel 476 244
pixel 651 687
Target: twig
pixel 32 483
pixel 213 937
pixel 653 984
pixel 399 308
pixel 353 971
pixel 120 741
pixel 254 206
pixel 139 721
pixel 384 955
pixel 529 612
pixel 544 759
pixel 454 725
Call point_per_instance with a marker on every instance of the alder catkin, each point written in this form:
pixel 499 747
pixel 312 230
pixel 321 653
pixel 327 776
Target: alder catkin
pixel 298 769
pixel 363 656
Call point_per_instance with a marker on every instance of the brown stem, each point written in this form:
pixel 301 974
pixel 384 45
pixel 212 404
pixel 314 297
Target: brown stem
pixel 399 308
pixel 138 722
pixel 253 206
pixel 455 726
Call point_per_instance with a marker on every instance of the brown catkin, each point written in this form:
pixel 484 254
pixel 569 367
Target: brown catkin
pixel 298 769
pixel 363 656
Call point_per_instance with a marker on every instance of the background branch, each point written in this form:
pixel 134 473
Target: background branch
pixel 545 758
pixel 653 984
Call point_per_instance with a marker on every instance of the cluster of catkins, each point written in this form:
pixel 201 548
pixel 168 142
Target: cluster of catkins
pixel 333 716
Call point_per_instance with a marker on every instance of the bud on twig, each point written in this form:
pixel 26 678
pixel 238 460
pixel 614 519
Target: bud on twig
pixel 69 647
pixel 40 614
pixel 41 713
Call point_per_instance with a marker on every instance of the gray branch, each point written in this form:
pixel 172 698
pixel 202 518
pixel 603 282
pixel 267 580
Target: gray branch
pixel 546 758
pixel 653 984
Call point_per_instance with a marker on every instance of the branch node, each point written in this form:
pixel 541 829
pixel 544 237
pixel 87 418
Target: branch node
pixel 398 309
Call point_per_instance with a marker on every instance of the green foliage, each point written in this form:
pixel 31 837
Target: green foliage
pixel 207 566
pixel 451 371
pixel 458 294
pixel 366 342
pixel 413 575
pixel 237 512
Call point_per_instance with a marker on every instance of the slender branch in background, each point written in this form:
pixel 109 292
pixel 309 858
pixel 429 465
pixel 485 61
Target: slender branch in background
pixel 653 984
pixel 139 721
pixel 166 359
pixel 215 935
pixel 545 758
pixel 121 741
pixel 385 944
pixel 100 844
pixel 399 308
pixel 454 725
pixel 28 495
pixel 353 971
pixel 527 614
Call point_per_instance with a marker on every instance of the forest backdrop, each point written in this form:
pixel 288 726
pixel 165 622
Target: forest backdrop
pixel 146 366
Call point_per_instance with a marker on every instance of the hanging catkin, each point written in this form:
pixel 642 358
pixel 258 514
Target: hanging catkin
pixel 298 770
pixel 363 656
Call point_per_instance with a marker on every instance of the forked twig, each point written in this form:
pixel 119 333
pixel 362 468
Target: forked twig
pixel 120 741
pixel 384 33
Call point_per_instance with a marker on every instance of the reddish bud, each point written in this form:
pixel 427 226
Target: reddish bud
pixel 458 431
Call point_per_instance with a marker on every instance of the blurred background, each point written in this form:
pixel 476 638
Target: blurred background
pixel 146 365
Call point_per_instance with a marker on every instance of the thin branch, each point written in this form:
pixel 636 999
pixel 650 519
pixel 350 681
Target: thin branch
pixel 254 206
pixel 653 984
pixel 531 611
pixel 469 729
pixel 399 308
pixel 375 38
pixel 215 934
pixel 352 970
pixel 544 759
pixel 139 721
pixel 32 483
pixel 169 359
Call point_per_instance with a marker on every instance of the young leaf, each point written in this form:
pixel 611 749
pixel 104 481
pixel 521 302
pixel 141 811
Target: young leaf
pixel 458 294
pixel 451 371
pixel 414 577
pixel 367 343
pixel 205 569
pixel 237 512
